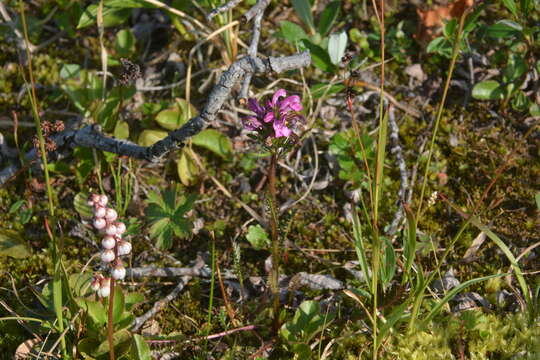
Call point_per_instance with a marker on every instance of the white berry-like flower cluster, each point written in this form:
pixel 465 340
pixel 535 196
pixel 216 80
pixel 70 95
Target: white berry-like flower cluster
pixel 105 221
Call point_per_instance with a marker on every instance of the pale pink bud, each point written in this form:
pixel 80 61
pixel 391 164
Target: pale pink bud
pixel 107 256
pixel 108 242
pixel 124 248
pixel 118 272
pixel 102 200
pixel 90 202
pixel 94 198
pixel 100 223
pixel 120 227
pixel 111 215
pixel 100 212
pixel 111 230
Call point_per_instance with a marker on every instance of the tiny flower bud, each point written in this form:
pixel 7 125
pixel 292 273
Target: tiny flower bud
pixel 100 223
pixel 104 291
pixel 94 198
pixel 120 227
pixel 96 283
pixel 108 242
pixel 124 248
pixel 100 212
pixel 110 230
pixel 118 272
pixel 90 202
pixel 102 200
pixel 111 215
pixel 107 256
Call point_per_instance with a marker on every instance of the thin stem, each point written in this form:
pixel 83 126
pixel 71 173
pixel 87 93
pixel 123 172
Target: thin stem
pixel 455 53
pixel 110 321
pixel 35 112
pixel 274 275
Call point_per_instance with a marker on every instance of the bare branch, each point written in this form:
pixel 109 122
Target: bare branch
pixel 222 8
pixel 91 136
pixel 256 9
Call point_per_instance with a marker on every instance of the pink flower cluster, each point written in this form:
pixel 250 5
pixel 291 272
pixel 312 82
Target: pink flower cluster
pixel 277 118
pixel 105 221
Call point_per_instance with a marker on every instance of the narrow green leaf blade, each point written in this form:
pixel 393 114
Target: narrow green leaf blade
pixel 303 9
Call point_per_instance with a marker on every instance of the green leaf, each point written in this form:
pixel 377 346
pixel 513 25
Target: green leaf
pixel 257 237
pixel 119 337
pixel 133 299
pixel 537 199
pixel 16 206
pixel 150 137
pixel 80 284
pixel 88 347
pixel 303 9
pixel 292 32
pixel 360 249
pixel 121 130
pixel 165 239
pixel 111 16
pixel 69 71
pixel 389 263
pixel 320 57
pixel 534 110
pixel 327 90
pixel 124 43
pixel 187 170
pixel 13 245
pixel 440 46
pixel 504 29
pixel 515 68
pixel 172 119
pixel 511 6
pixel 155 212
pixel 328 17
pixel 488 90
pixel 449 30
pixel 336 47
pixel 215 141
pixel 139 348
pixel 118 304
pixel 94 309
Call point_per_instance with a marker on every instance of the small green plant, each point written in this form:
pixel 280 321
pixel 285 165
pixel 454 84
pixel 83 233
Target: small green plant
pixel 519 38
pixel 345 146
pixel 326 50
pixel 166 214
pixel 308 322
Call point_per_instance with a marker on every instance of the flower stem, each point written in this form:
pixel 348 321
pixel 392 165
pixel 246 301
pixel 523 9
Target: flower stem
pixel 274 275
pixel 110 322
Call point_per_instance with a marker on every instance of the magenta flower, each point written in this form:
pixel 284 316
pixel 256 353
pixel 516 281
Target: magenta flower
pixel 282 113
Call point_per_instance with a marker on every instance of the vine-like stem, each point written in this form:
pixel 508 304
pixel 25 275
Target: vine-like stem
pixel 274 275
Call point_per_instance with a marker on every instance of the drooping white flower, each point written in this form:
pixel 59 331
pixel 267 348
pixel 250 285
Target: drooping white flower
pixel 124 248
pixel 111 215
pixel 107 256
pixel 111 230
pixel 100 223
pixel 108 242
pixel 118 272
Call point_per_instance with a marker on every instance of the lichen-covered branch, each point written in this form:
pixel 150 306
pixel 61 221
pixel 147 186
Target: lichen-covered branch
pixel 92 137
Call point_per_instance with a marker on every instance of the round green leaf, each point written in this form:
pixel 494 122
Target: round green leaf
pixel 174 117
pixel 214 141
pixel 124 43
pixel 257 237
pixel 121 130
pixel 150 137
pixel 488 90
